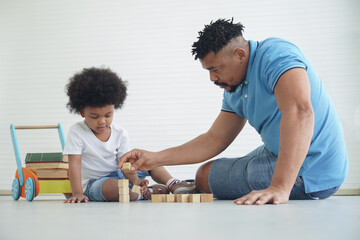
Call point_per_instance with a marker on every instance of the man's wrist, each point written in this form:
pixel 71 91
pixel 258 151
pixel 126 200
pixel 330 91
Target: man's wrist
pixel 282 184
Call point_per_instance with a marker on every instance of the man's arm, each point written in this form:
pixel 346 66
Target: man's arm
pixel 221 134
pixel 292 93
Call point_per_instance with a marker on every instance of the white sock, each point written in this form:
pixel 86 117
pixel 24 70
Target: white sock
pixel 172 182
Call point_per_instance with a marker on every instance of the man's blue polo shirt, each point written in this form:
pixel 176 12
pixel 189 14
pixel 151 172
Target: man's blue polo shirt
pixel 326 163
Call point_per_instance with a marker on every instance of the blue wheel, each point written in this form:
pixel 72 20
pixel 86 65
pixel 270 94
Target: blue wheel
pixel 30 189
pixel 15 189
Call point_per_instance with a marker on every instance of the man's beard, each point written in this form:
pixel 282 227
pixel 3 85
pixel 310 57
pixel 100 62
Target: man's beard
pixel 232 88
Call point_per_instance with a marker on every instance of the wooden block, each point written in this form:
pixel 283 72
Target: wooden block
pixel 124 198
pixel 126 167
pixel 136 189
pixel 206 197
pixel 169 197
pixel 182 198
pixel 157 198
pixel 123 183
pixel 194 198
pixel 124 191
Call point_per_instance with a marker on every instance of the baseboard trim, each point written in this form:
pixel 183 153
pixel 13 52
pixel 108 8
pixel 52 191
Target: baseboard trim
pixel 348 192
pixel 5 192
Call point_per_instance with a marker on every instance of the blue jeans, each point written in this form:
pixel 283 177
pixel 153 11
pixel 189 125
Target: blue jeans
pixel 231 178
pixel 94 188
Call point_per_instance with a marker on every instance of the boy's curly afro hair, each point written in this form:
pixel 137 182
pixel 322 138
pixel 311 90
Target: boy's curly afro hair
pixel 215 36
pixel 95 87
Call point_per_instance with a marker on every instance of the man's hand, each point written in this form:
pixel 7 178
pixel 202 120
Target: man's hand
pixel 140 160
pixel 272 195
pixel 77 198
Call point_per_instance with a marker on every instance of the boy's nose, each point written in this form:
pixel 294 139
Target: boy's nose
pixel 101 120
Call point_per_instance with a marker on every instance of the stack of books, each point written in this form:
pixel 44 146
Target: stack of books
pixel 48 166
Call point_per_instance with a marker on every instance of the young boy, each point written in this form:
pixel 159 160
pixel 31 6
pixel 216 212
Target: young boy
pixel 95 144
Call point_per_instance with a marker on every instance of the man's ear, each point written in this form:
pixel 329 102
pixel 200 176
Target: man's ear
pixel 240 54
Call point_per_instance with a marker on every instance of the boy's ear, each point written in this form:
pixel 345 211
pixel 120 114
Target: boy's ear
pixel 82 113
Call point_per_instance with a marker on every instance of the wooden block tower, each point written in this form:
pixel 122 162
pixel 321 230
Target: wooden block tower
pixel 123 185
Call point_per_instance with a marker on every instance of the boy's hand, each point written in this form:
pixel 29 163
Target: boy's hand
pixel 77 198
pixel 142 183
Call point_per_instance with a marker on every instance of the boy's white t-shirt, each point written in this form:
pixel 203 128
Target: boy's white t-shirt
pixel 98 159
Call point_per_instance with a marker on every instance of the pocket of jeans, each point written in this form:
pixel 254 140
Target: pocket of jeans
pixel 324 193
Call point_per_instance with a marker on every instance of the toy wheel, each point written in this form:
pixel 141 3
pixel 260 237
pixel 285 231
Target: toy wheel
pixel 15 189
pixel 30 189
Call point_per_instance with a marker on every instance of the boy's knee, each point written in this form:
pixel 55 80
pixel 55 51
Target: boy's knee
pixel 202 177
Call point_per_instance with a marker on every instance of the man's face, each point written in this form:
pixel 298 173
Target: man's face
pixel 224 68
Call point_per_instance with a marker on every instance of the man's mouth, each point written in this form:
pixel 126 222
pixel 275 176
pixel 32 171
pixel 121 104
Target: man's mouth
pixel 220 84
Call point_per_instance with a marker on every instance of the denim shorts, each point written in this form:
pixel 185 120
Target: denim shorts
pixel 232 178
pixel 94 188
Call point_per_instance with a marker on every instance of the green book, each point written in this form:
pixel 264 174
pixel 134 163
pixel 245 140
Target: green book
pixel 45 157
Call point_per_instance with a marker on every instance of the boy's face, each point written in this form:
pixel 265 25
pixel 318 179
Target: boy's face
pixel 98 118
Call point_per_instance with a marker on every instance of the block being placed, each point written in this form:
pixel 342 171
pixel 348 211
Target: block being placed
pixel 194 198
pixel 122 183
pixel 136 189
pixel 206 197
pixel 169 197
pixel 157 198
pixel 126 167
pixel 124 198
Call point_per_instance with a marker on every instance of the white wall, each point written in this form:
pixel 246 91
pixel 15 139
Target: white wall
pixel 148 43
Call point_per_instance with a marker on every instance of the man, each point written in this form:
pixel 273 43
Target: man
pixel 272 85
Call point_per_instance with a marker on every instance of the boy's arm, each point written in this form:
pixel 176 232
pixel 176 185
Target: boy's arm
pixel 132 177
pixel 75 180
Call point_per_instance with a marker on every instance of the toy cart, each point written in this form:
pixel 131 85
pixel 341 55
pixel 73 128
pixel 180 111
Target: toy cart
pixel 26 183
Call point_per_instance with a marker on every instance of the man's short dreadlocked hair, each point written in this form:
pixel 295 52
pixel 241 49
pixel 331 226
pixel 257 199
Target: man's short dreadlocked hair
pixel 215 36
pixel 95 87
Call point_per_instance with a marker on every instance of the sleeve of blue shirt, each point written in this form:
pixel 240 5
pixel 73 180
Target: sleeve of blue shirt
pixel 279 56
pixel 225 106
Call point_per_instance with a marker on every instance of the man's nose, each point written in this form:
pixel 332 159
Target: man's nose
pixel 213 77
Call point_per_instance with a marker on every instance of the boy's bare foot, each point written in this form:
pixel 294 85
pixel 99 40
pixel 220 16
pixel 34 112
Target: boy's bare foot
pixel 156 189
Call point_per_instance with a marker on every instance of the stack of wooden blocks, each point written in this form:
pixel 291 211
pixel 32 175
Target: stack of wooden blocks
pixel 123 185
pixel 181 198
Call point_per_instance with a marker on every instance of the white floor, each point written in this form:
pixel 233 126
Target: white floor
pixel 47 217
